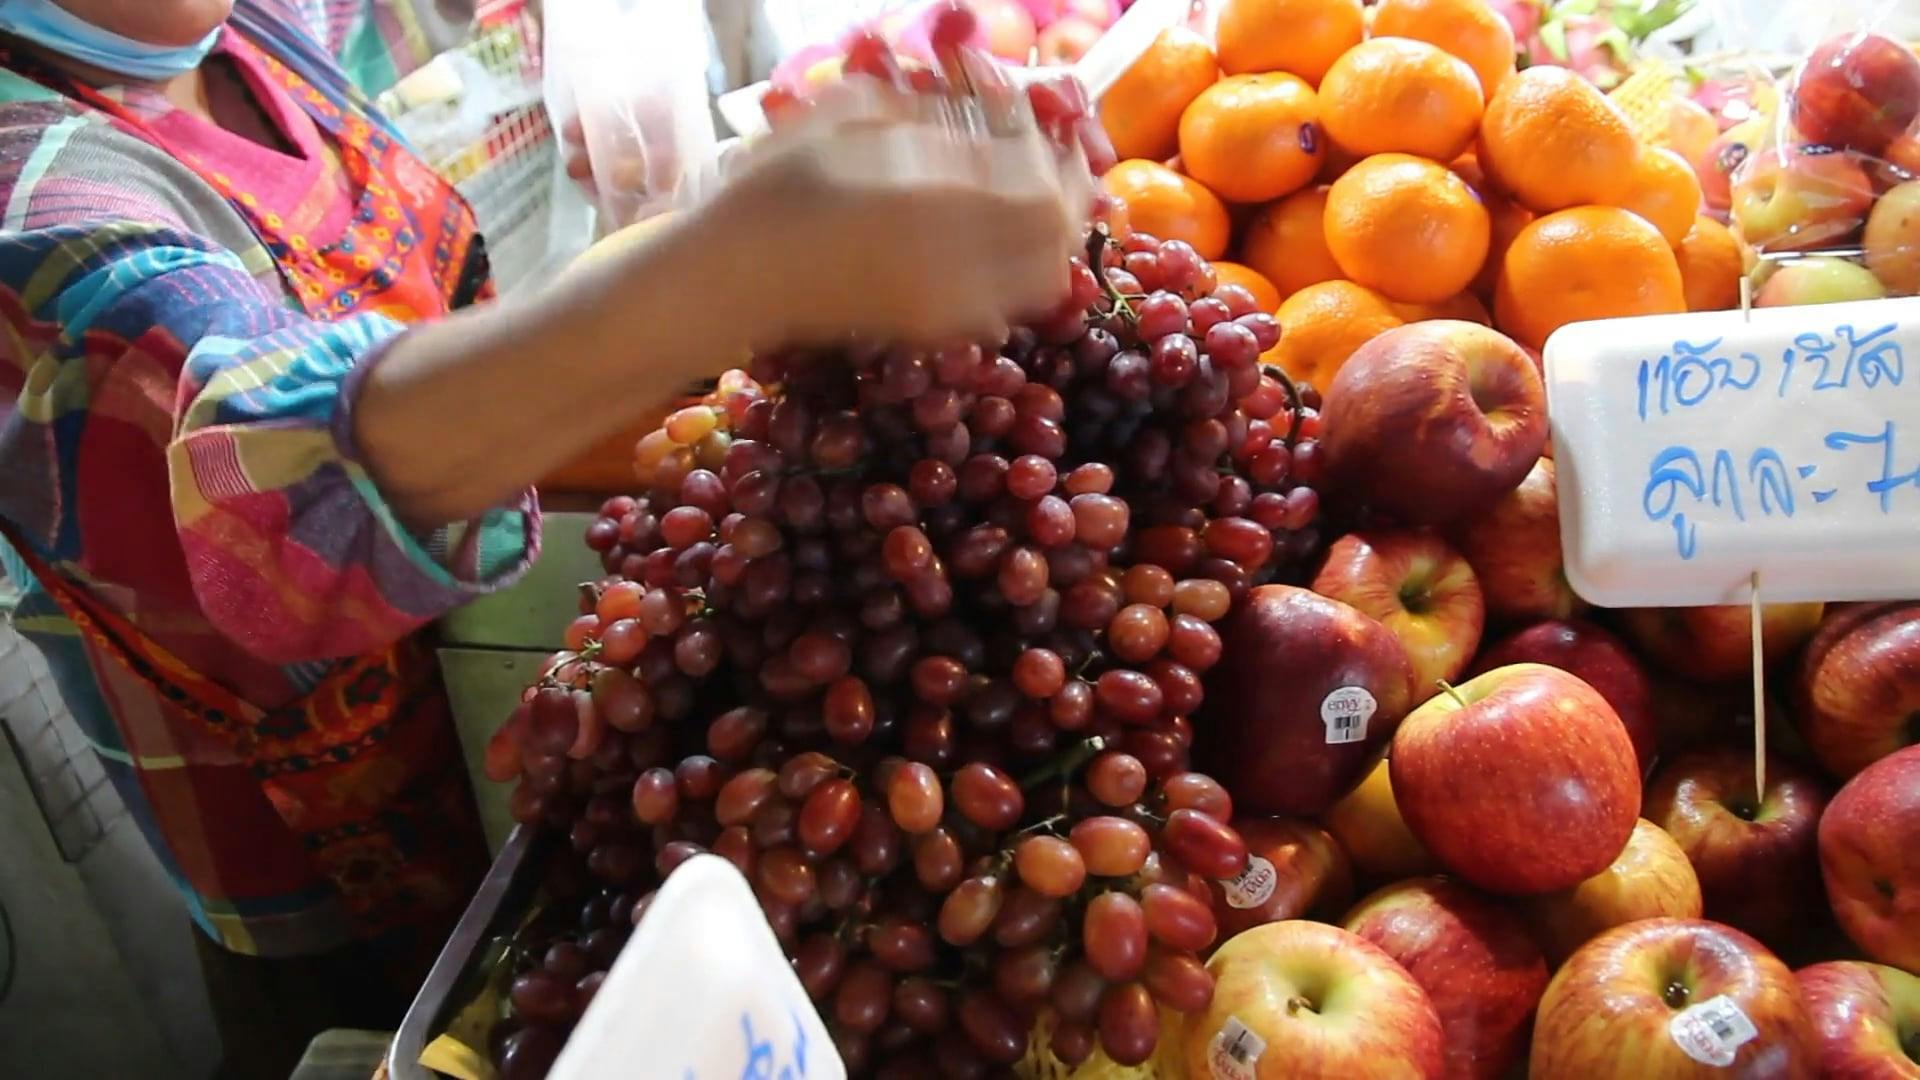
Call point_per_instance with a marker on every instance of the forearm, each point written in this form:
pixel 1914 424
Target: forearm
pixel 461 413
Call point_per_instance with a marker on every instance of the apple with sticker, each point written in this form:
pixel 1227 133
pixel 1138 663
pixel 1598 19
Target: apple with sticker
pixel 1295 870
pixel 1306 690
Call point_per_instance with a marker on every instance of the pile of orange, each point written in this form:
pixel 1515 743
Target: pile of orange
pixel 1365 166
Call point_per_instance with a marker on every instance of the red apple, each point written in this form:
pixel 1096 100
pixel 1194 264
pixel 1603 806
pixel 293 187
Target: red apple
pixel 1600 660
pixel 1651 878
pixel 1869 838
pixel 1713 644
pixel 1306 689
pixel 1800 198
pixel 1859 686
pixel 1417 587
pixel 1008 27
pixel 1295 870
pixel 1866 1018
pixel 1755 857
pixel 1432 422
pixel 1818 279
pixel 1724 157
pixel 1857 92
pixel 1514 548
pixel 1303 999
pixel 1478 967
pixel 1520 781
pixel 1367 824
pixel 1098 12
pixel 1066 41
pixel 1666 999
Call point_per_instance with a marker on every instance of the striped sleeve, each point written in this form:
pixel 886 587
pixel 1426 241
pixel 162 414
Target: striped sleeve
pixel 290 549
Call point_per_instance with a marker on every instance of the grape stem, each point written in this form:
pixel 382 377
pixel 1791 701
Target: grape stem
pixel 1065 765
pixel 1097 241
pixel 1293 399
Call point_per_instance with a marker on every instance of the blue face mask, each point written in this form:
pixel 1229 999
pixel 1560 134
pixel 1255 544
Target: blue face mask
pixel 51 26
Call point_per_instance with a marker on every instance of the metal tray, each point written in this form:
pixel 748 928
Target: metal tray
pixel 502 900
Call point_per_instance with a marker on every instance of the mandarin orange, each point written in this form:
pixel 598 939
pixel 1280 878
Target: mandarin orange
pixel 1469 29
pixel 1407 227
pixel 1265 294
pixel 1552 140
pixel 1465 307
pixel 1300 37
pixel 1395 94
pixel 1322 324
pixel 1664 190
pixel 1167 205
pixel 1141 111
pixel 1507 218
pixel 1588 262
pixel 1251 138
pixel 1286 241
pixel 1710 266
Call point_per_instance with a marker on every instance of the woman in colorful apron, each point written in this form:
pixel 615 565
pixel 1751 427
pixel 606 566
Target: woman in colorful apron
pixel 261 421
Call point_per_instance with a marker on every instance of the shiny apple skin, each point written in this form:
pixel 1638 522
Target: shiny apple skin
pixel 1514 548
pixel 1367 824
pixel 1261 731
pixel 1859 686
pixel 1650 879
pixel 1478 966
pixel 1606 1013
pixel 1756 874
pixel 1313 878
pixel 1529 787
pixel 1432 422
pixel 1280 981
pixel 1600 660
pixel 1857 92
pixel 1416 585
pixel 1870 858
pixel 1860 1011
pixel 1715 644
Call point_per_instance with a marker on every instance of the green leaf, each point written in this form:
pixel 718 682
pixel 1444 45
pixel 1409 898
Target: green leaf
pixel 1554 36
pixel 1641 21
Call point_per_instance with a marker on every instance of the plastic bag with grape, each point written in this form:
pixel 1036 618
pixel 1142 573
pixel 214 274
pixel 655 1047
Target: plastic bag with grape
pixel 1828 194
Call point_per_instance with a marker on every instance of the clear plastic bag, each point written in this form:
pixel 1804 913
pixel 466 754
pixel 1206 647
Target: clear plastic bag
pixel 1828 197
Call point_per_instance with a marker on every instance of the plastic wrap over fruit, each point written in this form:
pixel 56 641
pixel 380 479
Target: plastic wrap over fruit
pixel 1827 195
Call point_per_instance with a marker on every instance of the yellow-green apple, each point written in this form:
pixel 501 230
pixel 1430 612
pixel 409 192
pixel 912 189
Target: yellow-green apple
pixel 1818 279
pixel 1651 879
pixel 1857 92
pixel 1066 41
pixel 1755 856
pixel 1673 999
pixel 1305 690
pixel 1866 1018
pixel 1417 586
pixel 1600 659
pixel 1800 197
pixel 1712 644
pixel 1303 999
pixel 1008 26
pixel 1368 827
pixel 1858 689
pixel 1434 421
pixel 1294 870
pixel 1520 781
pixel 1724 157
pixel 1869 838
pixel 1514 549
pixel 1892 239
pixel 1482 972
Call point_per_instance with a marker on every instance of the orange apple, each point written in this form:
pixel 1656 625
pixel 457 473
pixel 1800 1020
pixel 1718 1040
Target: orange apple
pixel 1417 587
pixel 1368 826
pixel 1892 239
pixel 1651 878
pixel 1514 549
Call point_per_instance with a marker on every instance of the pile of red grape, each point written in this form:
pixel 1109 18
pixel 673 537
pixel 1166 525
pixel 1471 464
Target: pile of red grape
pixel 912 639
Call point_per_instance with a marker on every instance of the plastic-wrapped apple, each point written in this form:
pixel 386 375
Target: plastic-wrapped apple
pixel 1819 280
pixel 1066 41
pixel 1723 157
pixel 1892 239
pixel 1857 92
pixel 1801 197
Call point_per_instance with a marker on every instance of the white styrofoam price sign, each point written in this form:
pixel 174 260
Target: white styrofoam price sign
pixel 702 991
pixel 1697 450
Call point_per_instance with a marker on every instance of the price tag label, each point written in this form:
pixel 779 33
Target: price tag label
pixel 1235 1051
pixel 1695 450
pixel 1345 713
pixel 1713 1031
pixel 1252 886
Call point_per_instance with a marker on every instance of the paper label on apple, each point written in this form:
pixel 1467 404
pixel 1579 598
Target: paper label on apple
pixel 1234 1051
pixel 1252 886
pixel 1713 1031
pixel 1346 711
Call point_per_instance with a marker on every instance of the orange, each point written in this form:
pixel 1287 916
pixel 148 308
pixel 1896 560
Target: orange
pixel 1287 241
pixel 1468 29
pixel 1710 266
pixel 1322 324
pixel 1396 94
pixel 1553 140
pixel 1508 218
pixel 1665 190
pixel 1253 137
pixel 1464 306
pixel 1590 262
pixel 1142 110
pixel 1264 292
pixel 1164 204
pixel 1407 227
pixel 1300 37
